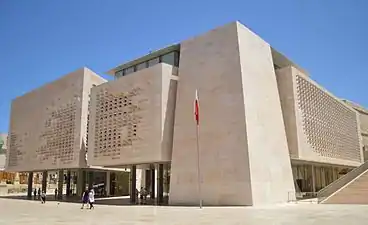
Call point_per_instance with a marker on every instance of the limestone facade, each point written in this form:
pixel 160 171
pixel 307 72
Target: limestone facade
pixel 319 126
pixel 48 125
pixel 132 118
pixel 363 121
pixel 243 152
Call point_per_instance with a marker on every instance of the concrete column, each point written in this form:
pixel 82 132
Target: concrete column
pixel 90 179
pixel 30 184
pixel 313 179
pixel 160 184
pixel 107 183
pixel 44 181
pixel 133 183
pixel 334 175
pixel 60 184
pixel 139 175
pixel 68 177
pixel 16 179
pixel 81 182
pixel 153 182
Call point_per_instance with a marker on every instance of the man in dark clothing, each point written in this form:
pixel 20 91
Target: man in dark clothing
pixel 85 198
pixel 39 193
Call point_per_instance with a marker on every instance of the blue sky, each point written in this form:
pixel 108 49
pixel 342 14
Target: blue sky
pixel 41 40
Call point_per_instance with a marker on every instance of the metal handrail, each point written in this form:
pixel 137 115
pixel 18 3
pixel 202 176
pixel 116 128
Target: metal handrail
pixel 342 181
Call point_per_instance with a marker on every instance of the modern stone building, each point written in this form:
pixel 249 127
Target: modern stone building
pixel 267 130
pixel 5 177
pixel 48 126
pixel 3 143
pixel 254 102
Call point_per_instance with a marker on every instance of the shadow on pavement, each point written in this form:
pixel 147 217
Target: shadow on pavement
pixel 121 200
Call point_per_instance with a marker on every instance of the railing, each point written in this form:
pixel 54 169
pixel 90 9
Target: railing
pixel 342 181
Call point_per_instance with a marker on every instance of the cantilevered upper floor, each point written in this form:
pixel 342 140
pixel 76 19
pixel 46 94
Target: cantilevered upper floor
pixel 171 55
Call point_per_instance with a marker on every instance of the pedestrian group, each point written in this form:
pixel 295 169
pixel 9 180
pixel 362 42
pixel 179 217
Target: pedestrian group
pixel 88 198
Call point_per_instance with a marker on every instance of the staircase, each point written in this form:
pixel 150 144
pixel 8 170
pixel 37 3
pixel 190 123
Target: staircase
pixel 351 188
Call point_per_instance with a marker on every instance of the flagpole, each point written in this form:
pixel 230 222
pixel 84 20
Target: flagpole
pixel 198 168
pixel 196 112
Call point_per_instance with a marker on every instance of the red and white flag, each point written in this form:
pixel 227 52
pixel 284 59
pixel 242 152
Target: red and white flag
pixel 196 107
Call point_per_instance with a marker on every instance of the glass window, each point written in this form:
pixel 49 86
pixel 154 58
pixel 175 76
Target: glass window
pixel 119 74
pixel 153 62
pixel 176 59
pixel 141 66
pixel 168 58
pixel 129 70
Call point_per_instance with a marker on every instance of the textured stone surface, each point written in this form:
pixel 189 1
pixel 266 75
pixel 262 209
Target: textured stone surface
pixel 129 121
pixel 319 126
pixel 34 213
pixel 269 160
pixel 243 155
pixel 52 132
pixel 363 121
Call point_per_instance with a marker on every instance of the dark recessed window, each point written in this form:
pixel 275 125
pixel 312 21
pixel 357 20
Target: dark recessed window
pixel 153 62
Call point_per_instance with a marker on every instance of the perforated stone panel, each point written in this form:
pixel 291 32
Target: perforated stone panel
pixel 48 124
pixel 127 118
pixel 57 136
pixel 363 116
pixel 330 126
pixel 117 121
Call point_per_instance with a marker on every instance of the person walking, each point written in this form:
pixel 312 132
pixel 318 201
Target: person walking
pixel 34 194
pixel 85 198
pixel 91 198
pixel 43 197
pixel 39 193
pixel 56 192
pixel 143 195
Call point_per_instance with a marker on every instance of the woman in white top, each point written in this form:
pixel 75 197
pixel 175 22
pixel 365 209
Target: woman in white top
pixel 91 198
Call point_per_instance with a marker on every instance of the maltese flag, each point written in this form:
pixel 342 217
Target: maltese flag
pixel 196 107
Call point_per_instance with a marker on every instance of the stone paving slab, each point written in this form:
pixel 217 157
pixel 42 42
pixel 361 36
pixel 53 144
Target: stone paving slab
pixel 52 213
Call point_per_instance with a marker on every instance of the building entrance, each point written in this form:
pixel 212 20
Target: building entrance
pixel 151 183
pixel 310 178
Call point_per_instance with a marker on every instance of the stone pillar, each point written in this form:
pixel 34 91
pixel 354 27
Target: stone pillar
pixel 90 179
pixel 44 181
pixel 30 184
pixel 160 184
pixel 81 182
pixel 334 175
pixel 68 178
pixel 153 182
pixel 16 179
pixel 313 180
pixel 107 183
pixel 133 183
pixel 60 184
pixel 139 175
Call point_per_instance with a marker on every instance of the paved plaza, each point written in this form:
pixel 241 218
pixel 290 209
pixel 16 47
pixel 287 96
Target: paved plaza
pixel 34 213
